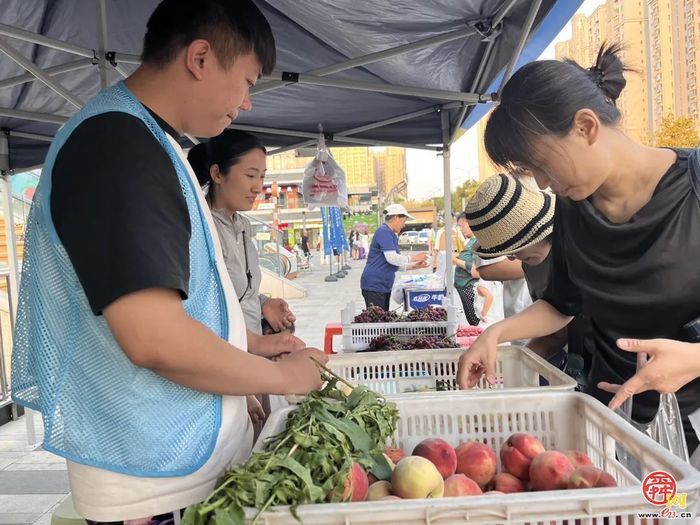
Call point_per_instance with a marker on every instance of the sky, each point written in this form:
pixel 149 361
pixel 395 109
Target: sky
pixel 423 166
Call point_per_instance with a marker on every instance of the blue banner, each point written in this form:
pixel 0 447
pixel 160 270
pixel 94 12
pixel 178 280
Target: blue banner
pixel 325 230
pixel 336 230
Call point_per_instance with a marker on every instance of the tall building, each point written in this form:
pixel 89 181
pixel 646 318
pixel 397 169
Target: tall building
pixel 661 46
pixel 389 168
pixel 486 167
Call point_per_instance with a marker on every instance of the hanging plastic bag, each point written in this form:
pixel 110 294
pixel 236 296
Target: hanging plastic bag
pixel 324 180
pixel 666 428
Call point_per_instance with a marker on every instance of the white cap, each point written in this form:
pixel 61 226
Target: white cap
pixel 397 209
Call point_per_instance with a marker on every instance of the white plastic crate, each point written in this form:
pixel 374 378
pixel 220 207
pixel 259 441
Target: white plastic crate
pixel 561 420
pixel 403 371
pixel 357 336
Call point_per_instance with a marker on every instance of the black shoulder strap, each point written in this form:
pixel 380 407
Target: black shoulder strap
pixel 694 167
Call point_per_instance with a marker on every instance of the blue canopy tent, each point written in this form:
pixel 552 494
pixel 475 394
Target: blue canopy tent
pixel 373 72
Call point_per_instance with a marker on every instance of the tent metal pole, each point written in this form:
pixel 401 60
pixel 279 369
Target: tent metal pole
pixel 447 185
pixel 529 21
pixel 392 89
pixel 35 38
pixel 375 125
pixel 503 12
pixel 119 69
pixel 9 221
pixel 336 138
pixel 474 87
pixel 102 40
pixel 81 63
pixel 31 136
pixel 32 115
pixel 39 73
pixel 372 57
pixel 126 58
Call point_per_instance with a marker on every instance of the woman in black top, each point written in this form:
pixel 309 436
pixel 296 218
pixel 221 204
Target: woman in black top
pixel 625 247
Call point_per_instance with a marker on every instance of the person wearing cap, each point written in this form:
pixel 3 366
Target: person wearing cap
pixel 511 219
pixel 384 258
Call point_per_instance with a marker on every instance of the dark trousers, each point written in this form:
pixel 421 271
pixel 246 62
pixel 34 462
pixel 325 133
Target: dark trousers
pixel 380 299
pixel 467 295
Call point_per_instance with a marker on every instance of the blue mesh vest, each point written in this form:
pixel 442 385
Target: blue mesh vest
pixel 98 408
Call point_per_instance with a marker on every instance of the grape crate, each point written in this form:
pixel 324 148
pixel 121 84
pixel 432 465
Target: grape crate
pixel 376 314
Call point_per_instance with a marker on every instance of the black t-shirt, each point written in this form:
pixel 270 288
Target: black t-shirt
pixel 118 208
pixel 639 279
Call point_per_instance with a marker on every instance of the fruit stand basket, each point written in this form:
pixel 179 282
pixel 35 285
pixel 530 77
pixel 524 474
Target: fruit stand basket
pixel 403 371
pixel 357 336
pixel 561 420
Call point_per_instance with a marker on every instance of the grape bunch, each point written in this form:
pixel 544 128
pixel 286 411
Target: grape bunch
pixel 389 343
pixel 429 314
pixel 376 314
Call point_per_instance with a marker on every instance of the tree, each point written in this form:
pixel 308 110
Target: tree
pixel 463 193
pixel 677 132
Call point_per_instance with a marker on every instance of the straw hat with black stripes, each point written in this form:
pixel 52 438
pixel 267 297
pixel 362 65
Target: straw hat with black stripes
pixel 507 216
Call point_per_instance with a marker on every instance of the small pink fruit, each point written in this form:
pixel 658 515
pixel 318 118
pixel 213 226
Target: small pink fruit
pixel 517 454
pixel 476 461
pixel 460 485
pixel 550 470
pixel 440 453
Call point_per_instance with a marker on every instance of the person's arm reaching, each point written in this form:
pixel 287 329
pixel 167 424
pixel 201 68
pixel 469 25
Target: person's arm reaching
pixel 505 270
pixel 405 262
pixel 154 332
pixel 539 319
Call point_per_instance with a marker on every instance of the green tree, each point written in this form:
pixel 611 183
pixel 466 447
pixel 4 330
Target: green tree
pixel 677 132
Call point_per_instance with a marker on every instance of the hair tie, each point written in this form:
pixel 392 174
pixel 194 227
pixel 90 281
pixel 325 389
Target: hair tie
pixel 598 75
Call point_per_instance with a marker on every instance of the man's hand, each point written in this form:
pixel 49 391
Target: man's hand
pixel 275 344
pixel 672 364
pixel 278 314
pixel 419 257
pixel 300 372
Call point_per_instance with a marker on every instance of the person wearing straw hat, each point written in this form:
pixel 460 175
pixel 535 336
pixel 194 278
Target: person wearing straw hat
pixel 509 218
pixel 384 258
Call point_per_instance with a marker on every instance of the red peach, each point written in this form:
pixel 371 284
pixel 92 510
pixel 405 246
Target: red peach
pixel 578 458
pixel 355 486
pixel 507 483
pixel 517 452
pixel 550 471
pixel 395 454
pixel 476 461
pixel 460 485
pixel 589 477
pixel 440 453
pixel 378 490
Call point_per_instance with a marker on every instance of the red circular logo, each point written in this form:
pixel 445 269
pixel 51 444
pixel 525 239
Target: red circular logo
pixel 658 487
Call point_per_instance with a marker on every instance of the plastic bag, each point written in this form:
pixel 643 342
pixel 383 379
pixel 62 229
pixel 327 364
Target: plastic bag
pixel 666 428
pixel 324 180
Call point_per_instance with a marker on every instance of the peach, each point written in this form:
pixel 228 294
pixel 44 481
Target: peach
pixel 517 452
pixel 476 461
pixel 395 454
pixel 416 477
pixel 390 497
pixel 460 485
pixel 355 486
pixel 440 452
pixel 550 470
pixel 589 477
pixel 507 483
pixel 578 458
pixel 378 490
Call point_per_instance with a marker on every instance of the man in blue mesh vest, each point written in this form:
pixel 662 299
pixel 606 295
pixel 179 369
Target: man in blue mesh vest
pixel 130 340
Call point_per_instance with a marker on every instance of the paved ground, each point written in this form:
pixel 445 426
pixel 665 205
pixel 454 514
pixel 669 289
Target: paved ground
pixel 34 482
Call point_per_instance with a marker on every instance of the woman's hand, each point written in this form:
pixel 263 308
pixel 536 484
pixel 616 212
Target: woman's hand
pixel 671 365
pixel 478 360
pixel 255 410
pixel 278 314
